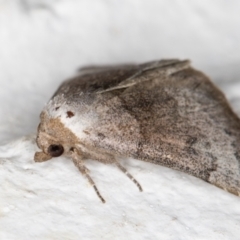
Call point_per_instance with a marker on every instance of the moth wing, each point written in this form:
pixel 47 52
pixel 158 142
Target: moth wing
pixel 149 70
pixel 180 120
pixel 100 79
pixel 162 112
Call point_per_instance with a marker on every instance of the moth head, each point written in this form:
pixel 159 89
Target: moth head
pixel 54 139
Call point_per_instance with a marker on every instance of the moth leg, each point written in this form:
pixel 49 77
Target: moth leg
pixel 124 170
pixel 79 164
pixel 109 159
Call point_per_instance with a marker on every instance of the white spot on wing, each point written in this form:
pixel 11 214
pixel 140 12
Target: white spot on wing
pixel 82 120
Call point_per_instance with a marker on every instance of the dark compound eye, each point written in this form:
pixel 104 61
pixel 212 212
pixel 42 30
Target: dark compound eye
pixel 55 150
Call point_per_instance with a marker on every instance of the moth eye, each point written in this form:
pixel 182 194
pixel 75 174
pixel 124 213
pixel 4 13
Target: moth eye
pixel 55 150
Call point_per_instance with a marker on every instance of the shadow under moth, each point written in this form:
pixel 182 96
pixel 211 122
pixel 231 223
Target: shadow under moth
pixel 163 112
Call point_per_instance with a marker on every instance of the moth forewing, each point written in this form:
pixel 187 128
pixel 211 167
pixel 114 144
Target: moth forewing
pixel 163 112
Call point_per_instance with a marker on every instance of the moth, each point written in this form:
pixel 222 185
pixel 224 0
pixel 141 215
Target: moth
pixel 163 112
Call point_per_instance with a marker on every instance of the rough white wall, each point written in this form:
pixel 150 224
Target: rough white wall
pixel 44 42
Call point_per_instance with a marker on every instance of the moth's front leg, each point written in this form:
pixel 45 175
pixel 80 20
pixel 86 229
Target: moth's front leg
pixel 125 171
pixel 108 159
pixel 78 161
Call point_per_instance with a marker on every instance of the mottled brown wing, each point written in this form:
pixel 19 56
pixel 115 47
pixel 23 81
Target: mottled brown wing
pixel 95 79
pixel 166 113
pixel 181 121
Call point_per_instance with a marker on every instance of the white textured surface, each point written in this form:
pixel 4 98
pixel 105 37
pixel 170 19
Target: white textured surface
pixel 44 42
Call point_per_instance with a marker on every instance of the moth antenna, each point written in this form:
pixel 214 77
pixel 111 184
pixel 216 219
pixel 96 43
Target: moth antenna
pixel 124 170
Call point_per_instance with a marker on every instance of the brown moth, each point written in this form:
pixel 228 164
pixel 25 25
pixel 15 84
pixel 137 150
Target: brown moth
pixel 163 112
